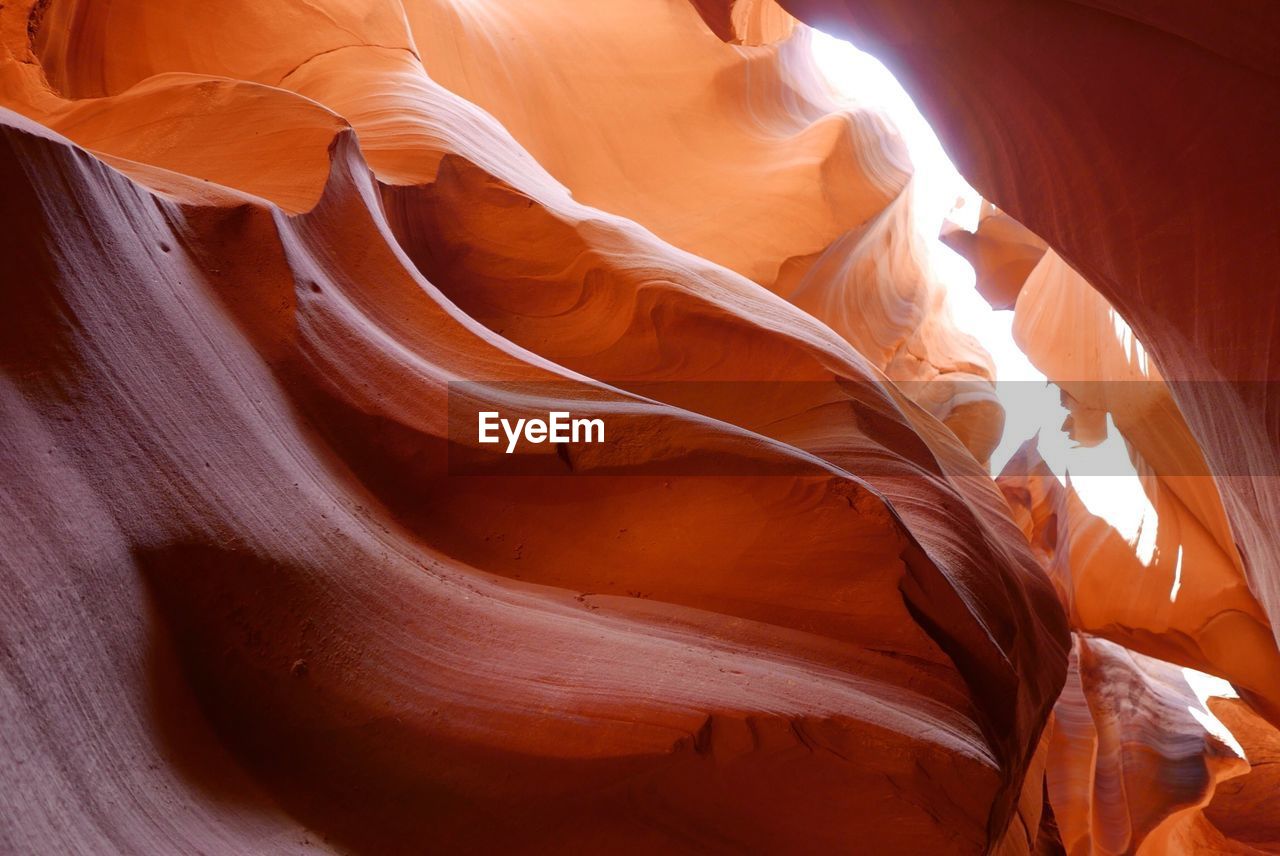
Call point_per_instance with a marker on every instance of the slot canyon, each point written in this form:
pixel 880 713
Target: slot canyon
pixel 933 348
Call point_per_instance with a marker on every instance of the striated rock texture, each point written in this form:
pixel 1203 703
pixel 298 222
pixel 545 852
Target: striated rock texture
pixel 740 157
pixel 260 597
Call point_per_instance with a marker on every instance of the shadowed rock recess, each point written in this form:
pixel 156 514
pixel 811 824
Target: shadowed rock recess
pixel 265 589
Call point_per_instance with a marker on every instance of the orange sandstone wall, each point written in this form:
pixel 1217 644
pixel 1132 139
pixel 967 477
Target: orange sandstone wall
pixel 255 608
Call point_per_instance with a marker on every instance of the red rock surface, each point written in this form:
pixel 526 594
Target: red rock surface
pixel 265 591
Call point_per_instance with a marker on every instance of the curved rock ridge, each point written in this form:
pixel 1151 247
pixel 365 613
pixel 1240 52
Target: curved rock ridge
pixel 340 599
pixel 264 260
pixel 772 176
pixel 760 139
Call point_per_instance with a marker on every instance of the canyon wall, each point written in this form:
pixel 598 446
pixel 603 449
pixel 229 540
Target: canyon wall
pixel 266 590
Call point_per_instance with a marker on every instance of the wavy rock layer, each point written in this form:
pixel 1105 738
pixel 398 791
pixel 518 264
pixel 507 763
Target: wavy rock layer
pixel 255 607
pixel 805 198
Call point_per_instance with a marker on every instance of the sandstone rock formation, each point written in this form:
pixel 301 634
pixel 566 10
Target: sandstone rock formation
pixel 1003 253
pixel 1136 140
pixel 266 590
pixel 1171 582
pixel 226 364
pixel 1134 757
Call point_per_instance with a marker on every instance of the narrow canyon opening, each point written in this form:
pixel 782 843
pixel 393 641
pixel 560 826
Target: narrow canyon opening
pixel 1093 463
